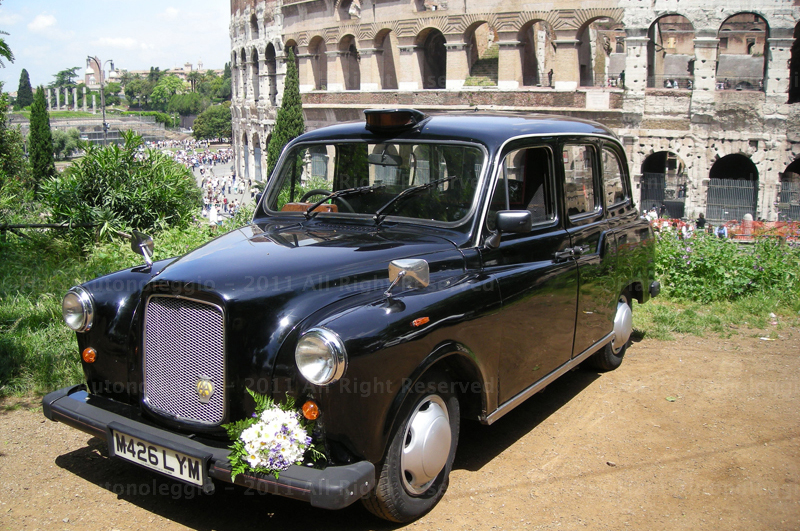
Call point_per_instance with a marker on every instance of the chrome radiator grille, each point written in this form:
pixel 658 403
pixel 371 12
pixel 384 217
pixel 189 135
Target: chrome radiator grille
pixel 184 345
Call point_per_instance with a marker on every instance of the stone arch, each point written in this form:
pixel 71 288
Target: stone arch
pixel 794 68
pixel 255 74
pixel 319 62
pixel 537 52
pixel 595 48
pixel 741 52
pixel 733 188
pixel 271 71
pixel 253 27
pixel 482 53
pixel 432 58
pixel 664 183
pixel 350 61
pixel 385 43
pixel 789 195
pixel 292 45
pixel 670 52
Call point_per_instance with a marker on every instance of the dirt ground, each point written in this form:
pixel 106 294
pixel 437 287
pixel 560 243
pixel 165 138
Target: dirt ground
pixel 698 433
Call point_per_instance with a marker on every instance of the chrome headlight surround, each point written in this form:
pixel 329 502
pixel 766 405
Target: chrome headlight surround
pixel 320 356
pixel 77 309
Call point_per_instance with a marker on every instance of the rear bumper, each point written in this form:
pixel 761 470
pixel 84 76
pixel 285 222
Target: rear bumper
pixel 334 487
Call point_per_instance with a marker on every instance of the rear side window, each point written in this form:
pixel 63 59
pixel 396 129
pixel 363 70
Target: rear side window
pixel 613 178
pixel 579 181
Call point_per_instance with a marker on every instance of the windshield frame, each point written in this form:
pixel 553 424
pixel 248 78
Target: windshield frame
pixel 273 188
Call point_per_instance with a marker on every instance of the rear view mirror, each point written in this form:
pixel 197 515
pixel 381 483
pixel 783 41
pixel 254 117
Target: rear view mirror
pixel 143 244
pixel 414 271
pixel 385 159
pixel 513 221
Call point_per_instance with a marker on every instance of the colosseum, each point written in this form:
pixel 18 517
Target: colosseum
pixel 706 99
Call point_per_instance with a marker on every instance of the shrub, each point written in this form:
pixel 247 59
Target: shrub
pixel 118 188
pixel 706 269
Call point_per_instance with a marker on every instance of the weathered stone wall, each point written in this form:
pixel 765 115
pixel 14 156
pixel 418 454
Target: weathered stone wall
pixel 697 122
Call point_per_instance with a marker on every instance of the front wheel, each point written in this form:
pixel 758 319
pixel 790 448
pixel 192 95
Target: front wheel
pixel 610 357
pixel 416 470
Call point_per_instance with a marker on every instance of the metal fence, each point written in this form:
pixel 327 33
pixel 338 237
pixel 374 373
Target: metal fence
pixel 789 201
pixel 740 83
pixel 730 199
pixel 685 82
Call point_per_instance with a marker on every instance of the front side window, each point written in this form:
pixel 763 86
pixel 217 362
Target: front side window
pixel 579 187
pixel 438 182
pixel 525 182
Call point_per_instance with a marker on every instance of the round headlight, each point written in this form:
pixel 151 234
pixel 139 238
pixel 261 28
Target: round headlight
pixel 320 356
pixel 78 309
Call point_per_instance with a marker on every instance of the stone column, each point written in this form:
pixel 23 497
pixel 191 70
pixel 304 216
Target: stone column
pixel 509 66
pixel 408 74
pixel 335 82
pixel 370 73
pixel 58 99
pixel 636 60
pixel 566 70
pixel 305 69
pixel 780 52
pixel 66 99
pixel 94 103
pixel 705 78
pixel 457 65
pixel 84 98
pixel 75 99
pixel 49 99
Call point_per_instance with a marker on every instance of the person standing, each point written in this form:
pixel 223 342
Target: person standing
pixel 550 78
pixel 701 221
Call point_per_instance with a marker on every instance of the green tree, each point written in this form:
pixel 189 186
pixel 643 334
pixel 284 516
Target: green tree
pixel 65 142
pixel 167 87
pixel 187 104
pixel 41 140
pixel 5 51
pixel 289 122
pixel 65 78
pixel 24 92
pixel 13 167
pixel 116 189
pixel 194 79
pixel 214 122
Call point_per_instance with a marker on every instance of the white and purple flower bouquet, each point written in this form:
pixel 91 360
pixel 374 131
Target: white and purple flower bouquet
pixel 274 438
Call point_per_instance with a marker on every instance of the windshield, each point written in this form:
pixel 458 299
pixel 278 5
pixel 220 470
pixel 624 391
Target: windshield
pixel 370 177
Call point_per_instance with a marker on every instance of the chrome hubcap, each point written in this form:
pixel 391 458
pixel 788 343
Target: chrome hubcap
pixel 623 325
pixel 426 445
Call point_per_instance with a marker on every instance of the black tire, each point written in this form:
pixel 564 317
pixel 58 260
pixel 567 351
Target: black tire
pixel 398 496
pixel 610 356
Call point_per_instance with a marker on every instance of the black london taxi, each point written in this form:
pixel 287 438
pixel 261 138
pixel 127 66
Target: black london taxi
pixel 399 274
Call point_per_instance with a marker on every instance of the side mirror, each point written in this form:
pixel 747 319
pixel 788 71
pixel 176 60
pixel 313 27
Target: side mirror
pixel 143 244
pixel 513 221
pixel 415 271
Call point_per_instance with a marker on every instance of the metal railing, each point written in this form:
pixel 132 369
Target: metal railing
pixel 685 82
pixel 740 83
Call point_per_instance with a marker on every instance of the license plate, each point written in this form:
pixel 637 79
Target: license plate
pixel 163 459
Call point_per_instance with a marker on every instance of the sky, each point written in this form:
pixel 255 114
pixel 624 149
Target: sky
pixel 47 36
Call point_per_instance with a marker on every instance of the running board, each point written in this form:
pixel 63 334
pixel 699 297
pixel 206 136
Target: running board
pixel 544 382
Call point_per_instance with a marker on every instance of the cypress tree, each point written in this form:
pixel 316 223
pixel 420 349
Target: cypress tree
pixel 24 92
pixel 289 122
pixel 41 140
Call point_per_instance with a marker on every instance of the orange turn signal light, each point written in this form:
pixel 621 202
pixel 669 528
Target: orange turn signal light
pixel 311 410
pixel 89 355
pixel 421 321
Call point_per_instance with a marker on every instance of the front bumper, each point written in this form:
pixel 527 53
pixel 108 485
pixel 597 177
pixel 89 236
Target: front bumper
pixel 334 487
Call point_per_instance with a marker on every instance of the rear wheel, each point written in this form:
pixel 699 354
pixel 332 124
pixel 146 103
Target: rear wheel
pixel 610 357
pixel 416 469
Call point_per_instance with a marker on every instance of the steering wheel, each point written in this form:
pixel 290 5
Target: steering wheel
pixel 320 191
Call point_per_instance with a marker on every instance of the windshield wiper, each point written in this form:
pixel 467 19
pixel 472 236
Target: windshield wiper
pixel 309 213
pixel 380 216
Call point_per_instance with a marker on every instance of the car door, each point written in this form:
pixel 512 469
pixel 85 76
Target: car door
pixel 538 289
pixel 591 242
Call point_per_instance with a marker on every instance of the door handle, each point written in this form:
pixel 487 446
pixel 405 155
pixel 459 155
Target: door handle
pixel 566 254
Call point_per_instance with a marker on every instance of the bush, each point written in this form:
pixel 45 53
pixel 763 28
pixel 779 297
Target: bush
pixel 119 188
pixel 706 269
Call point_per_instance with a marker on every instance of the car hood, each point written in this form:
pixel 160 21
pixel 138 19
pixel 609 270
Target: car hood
pixel 269 278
